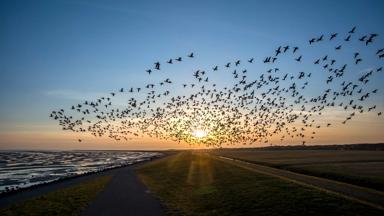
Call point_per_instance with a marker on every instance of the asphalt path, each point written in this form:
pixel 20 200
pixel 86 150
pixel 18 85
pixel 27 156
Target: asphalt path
pixel 124 194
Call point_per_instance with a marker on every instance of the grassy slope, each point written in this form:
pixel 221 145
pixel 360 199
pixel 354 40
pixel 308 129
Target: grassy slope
pixel 66 201
pixel 195 184
pixel 364 168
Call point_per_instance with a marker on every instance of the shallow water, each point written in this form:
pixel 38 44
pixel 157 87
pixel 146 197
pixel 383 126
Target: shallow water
pixel 21 169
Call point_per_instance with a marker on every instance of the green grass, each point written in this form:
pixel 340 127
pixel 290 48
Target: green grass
pixel 66 201
pixel 363 168
pixel 192 183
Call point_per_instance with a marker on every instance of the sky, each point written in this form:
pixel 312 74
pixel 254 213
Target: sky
pixel 55 53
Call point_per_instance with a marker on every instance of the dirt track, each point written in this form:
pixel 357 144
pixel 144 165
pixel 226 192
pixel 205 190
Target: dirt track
pixel 361 194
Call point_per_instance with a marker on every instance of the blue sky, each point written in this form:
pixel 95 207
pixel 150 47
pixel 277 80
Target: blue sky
pixel 52 53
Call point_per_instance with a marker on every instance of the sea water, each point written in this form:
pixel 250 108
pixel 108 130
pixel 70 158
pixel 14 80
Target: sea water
pixel 21 169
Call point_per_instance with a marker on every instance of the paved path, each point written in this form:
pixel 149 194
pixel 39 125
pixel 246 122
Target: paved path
pixel 361 194
pixel 125 195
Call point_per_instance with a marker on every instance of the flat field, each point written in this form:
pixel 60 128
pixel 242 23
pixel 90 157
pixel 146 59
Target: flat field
pixel 195 183
pixel 363 168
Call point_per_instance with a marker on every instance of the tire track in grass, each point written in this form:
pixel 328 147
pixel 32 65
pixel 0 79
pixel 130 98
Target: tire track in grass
pixel 364 195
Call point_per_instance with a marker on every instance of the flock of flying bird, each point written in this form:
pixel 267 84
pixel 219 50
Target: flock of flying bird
pixel 246 111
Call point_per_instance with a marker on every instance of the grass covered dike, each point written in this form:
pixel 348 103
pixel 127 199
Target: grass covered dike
pixel 67 201
pixel 362 168
pixel 194 183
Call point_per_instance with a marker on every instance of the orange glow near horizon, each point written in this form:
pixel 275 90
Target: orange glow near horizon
pixel 356 132
pixel 366 128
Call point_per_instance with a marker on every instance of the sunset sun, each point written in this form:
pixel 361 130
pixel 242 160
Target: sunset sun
pixel 199 133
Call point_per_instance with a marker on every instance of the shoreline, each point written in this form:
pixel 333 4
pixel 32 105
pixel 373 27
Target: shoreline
pixel 22 194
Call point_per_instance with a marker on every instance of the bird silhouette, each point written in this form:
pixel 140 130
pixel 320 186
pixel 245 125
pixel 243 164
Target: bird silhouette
pixel 333 36
pixel 157 65
pixel 254 107
pixel 352 30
